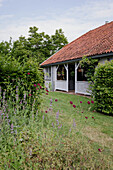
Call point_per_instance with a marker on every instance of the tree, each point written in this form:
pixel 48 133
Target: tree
pixel 58 40
pixel 42 45
pixel 39 46
pixel 5 47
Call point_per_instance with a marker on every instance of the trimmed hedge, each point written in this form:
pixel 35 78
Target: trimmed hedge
pixel 102 88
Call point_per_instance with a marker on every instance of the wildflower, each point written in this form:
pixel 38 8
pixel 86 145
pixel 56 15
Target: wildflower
pixel 60 126
pixel 74 124
pixel 92 101
pixel 88 102
pixel 57 115
pixel 43 117
pixel 74 106
pixel 34 85
pixel 71 102
pixel 38 84
pixel 29 94
pixel 24 96
pixel 12 126
pixel 52 124
pixel 99 150
pixel 46 93
pixel 37 88
pixel 47 90
pixel 46 111
pixel 92 117
pixel 56 100
pixel 40 87
pixel 57 122
pixel 80 101
pixel 28 73
pixel 7 116
pixel 16 89
pixel 82 112
pixel 86 117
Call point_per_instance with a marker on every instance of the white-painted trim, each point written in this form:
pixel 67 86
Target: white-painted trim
pixel 67 77
pixel 76 67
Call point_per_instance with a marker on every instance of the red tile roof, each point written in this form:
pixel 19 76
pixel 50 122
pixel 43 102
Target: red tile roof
pixel 94 42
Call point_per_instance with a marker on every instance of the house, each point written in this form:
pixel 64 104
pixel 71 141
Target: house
pixel 63 71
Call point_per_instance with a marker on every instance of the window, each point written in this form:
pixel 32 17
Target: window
pixel 61 73
pixel 48 73
pixel 81 74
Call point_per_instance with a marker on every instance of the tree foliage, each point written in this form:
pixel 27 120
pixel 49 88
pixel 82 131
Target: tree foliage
pixel 38 45
pixel 89 64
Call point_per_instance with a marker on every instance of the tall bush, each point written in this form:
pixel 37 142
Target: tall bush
pixel 102 88
pixel 21 79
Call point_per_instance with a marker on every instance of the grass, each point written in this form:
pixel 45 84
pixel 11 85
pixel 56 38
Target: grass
pixel 92 133
pixel 58 136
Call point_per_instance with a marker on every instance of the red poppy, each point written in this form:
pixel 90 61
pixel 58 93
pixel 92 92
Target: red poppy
pixel 46 93
pixel 47 90
pixel 35 85
pixel 74 106
pixel 71 102
pixel 88 102
pixel 29 94
pixel 92 101
pixel 38 84
pixel 56 100
pixel 46 111
pixel 92 117
pixel 28 73
pixel 40 87
pixel 86 117
pixel 80 101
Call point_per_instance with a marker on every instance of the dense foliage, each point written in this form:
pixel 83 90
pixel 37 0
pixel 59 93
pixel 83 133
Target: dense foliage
pixel 89 65
pixel 14 73
pixel 38 45
pixel 20 60
pixel 102 88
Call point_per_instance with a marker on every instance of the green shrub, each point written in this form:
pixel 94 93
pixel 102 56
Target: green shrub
pixel 102 88
pixel 23 78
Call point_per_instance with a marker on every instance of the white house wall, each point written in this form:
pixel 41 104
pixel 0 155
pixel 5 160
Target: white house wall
pixel 61 85
pixel 102 60
pixel 53 77
pixel 82 87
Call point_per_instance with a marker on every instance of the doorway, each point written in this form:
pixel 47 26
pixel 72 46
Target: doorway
pixel 71 76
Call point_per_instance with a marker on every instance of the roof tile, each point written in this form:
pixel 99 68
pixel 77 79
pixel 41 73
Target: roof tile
pixel 97 41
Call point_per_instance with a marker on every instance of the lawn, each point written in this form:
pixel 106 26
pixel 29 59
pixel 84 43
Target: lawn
pixel 66 133
pixel 91 132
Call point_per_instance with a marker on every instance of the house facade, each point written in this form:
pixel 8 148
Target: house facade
pixel 62 71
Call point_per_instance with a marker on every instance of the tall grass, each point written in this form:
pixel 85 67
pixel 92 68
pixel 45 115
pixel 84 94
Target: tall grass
pixel 62 134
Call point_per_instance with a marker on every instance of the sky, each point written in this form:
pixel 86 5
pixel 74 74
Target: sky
pixel 75 17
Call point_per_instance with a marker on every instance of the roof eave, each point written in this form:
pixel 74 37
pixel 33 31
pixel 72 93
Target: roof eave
pixel 78 59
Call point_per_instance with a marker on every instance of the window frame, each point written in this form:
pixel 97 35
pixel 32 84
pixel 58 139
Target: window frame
pixel 48 73
pixel 61 73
